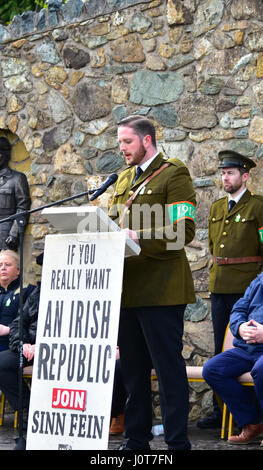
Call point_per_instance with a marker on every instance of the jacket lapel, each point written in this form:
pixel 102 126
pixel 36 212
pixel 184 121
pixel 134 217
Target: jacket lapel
pixel 156 163
pixel 242 202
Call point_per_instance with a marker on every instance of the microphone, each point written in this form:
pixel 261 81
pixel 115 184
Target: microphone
pixel 108 182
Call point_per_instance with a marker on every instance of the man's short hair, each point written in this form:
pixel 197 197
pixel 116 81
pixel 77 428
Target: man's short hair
pixel 141 126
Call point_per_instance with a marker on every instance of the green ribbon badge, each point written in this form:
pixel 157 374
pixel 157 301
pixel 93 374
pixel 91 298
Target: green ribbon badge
pixel 8 302
pixel 237 219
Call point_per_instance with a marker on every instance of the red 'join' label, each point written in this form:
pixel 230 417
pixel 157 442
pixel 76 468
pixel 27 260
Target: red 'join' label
pixel 71 399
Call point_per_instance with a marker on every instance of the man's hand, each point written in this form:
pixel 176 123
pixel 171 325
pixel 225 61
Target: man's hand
pixel 132 234
pixel 251 332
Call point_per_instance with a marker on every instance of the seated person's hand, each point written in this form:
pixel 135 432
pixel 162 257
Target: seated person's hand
pixel 29 351
pixel 251 332
pixel 4 330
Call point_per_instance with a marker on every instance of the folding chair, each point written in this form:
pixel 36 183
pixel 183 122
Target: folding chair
pixel 194 374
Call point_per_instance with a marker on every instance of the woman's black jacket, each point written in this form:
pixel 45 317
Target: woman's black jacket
pixel 30 316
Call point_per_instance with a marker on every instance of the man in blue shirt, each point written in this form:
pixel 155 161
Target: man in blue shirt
pixel 221 371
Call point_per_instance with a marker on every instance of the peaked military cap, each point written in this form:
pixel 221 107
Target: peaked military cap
pixel 232 159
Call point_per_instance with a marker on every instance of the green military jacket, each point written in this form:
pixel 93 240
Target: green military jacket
pixel 238 233
pixel 163 215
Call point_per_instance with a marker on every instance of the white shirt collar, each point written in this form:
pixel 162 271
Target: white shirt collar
pixel 145 165
pixel 237 198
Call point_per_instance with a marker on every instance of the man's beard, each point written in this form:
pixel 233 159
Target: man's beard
pixel 233 188
pixel 137 157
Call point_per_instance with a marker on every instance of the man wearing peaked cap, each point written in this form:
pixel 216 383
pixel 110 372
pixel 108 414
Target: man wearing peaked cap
pixel 236 246
pixel 232 159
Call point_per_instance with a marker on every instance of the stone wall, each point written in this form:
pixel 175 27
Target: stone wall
pixel 69 73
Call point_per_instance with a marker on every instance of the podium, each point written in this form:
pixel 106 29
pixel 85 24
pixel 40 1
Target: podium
pixel 86 219
pixel 77 331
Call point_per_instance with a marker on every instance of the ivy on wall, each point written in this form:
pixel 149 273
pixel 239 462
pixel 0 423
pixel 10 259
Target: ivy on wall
pixel 12 8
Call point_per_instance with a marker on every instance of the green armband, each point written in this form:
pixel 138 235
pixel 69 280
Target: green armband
pixel 181 210
pixel 260 232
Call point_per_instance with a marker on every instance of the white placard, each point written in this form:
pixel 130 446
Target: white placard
pixel 76 342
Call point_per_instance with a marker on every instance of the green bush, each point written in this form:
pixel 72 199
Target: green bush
pixel 12 8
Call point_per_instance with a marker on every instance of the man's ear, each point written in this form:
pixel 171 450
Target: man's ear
pixel 147 140
pixel 245 177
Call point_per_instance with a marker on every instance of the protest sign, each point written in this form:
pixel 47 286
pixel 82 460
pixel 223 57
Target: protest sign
pixel 76 342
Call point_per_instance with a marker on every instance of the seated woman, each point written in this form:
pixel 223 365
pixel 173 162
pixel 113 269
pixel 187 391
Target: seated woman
pixel 9 293
pixel 222 370
pixel 9 359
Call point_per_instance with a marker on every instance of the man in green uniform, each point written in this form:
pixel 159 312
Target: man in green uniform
pixel 157 283
pixel 236 246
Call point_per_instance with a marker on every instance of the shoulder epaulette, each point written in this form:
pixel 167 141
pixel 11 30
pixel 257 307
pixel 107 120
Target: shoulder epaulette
pixel 257 196
pixel 175 161
pixel 221 199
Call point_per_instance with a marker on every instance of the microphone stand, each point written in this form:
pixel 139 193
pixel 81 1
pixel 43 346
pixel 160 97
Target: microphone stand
pixel 21 218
